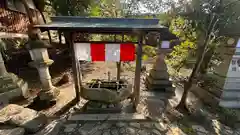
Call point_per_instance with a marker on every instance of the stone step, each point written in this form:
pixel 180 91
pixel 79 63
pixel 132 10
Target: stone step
pixel 160 88
pixel 102 110
pixel 207 97
pixel 15 94
pixel 230 104
pixel 232 90
pixel 99 108
pixel 108 117
pixel 159 81
pixel 230 95
pixel 11 130
pixel 163 74
pixel 29 119
pixel 12 85
pixel 156 95
pixel 10 77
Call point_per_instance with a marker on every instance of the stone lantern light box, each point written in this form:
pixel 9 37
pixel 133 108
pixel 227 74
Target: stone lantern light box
pixel 165 45
pixel 38 50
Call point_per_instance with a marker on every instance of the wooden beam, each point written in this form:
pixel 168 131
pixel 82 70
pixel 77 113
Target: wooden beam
pixel 119 70
pixel 138 71
pixel 12 35
pixel 75 67
pixel 117 42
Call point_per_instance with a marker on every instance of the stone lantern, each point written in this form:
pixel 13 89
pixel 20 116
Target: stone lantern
pixel 158 78
pixel 40 61
pixel 11 87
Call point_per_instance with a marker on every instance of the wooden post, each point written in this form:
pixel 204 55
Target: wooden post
pixel 118 63
pixel 75 67
pixel 115 37
pixel 118 70
pixel 60 37
pixel 138 71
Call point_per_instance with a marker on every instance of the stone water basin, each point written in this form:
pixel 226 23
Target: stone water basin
pixel 106 91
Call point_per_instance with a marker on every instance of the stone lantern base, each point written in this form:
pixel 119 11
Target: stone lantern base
pixel 50 94
pixel 158 80
pixel 48 91
pixel 12 88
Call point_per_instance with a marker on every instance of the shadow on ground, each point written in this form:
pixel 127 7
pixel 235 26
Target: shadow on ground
pixel 202 119
pixel 18 64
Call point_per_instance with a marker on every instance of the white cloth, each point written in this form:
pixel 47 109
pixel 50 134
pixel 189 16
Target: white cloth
pixel 83 51
pixel 112 52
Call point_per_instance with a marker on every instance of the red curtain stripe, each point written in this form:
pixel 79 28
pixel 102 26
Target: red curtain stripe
pixel 98 52
pixel 127 52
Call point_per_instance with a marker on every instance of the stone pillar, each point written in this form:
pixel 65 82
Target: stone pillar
pixel 11 87
pixel 228 73
pixel 225 88
pixel 158 78
pixel 41 61
pixel 3 70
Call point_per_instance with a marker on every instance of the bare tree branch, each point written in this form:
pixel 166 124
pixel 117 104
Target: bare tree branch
pixel 230 3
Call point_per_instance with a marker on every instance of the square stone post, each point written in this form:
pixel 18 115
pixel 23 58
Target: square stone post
pixel 228 74
pixel 41 61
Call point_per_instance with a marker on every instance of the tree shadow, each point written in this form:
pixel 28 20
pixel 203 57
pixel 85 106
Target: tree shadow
pixel 18 64
pixel 199 117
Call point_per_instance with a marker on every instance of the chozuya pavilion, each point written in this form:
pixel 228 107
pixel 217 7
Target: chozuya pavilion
pixel 146 31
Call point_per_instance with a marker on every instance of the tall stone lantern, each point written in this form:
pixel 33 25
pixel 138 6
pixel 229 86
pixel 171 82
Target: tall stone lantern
pixel 158 78
pixel 40 60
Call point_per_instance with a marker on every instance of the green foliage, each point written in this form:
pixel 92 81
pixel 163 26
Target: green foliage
pixel 148 52
pixel 106 8
pixel 228 116
pixel 70 7
pixel 181 53
pixel 95 11
pixel 201 21
pixel 208 17
pixel 165 19
pixel 136 7
pixel 184 29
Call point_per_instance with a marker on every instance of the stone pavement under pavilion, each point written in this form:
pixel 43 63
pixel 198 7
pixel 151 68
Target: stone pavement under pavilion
pixel 79 124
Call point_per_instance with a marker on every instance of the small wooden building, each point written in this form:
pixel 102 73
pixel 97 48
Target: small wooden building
pixel 13 16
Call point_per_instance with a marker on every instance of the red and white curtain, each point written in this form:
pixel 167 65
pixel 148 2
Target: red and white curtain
pixel 105 52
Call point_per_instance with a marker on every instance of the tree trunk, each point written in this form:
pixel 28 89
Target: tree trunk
pixel 28 12
pixel 206 61
pixel 201 54
pixel 188 84
pixel 31 32
pixel 183 102
pixel 48 31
